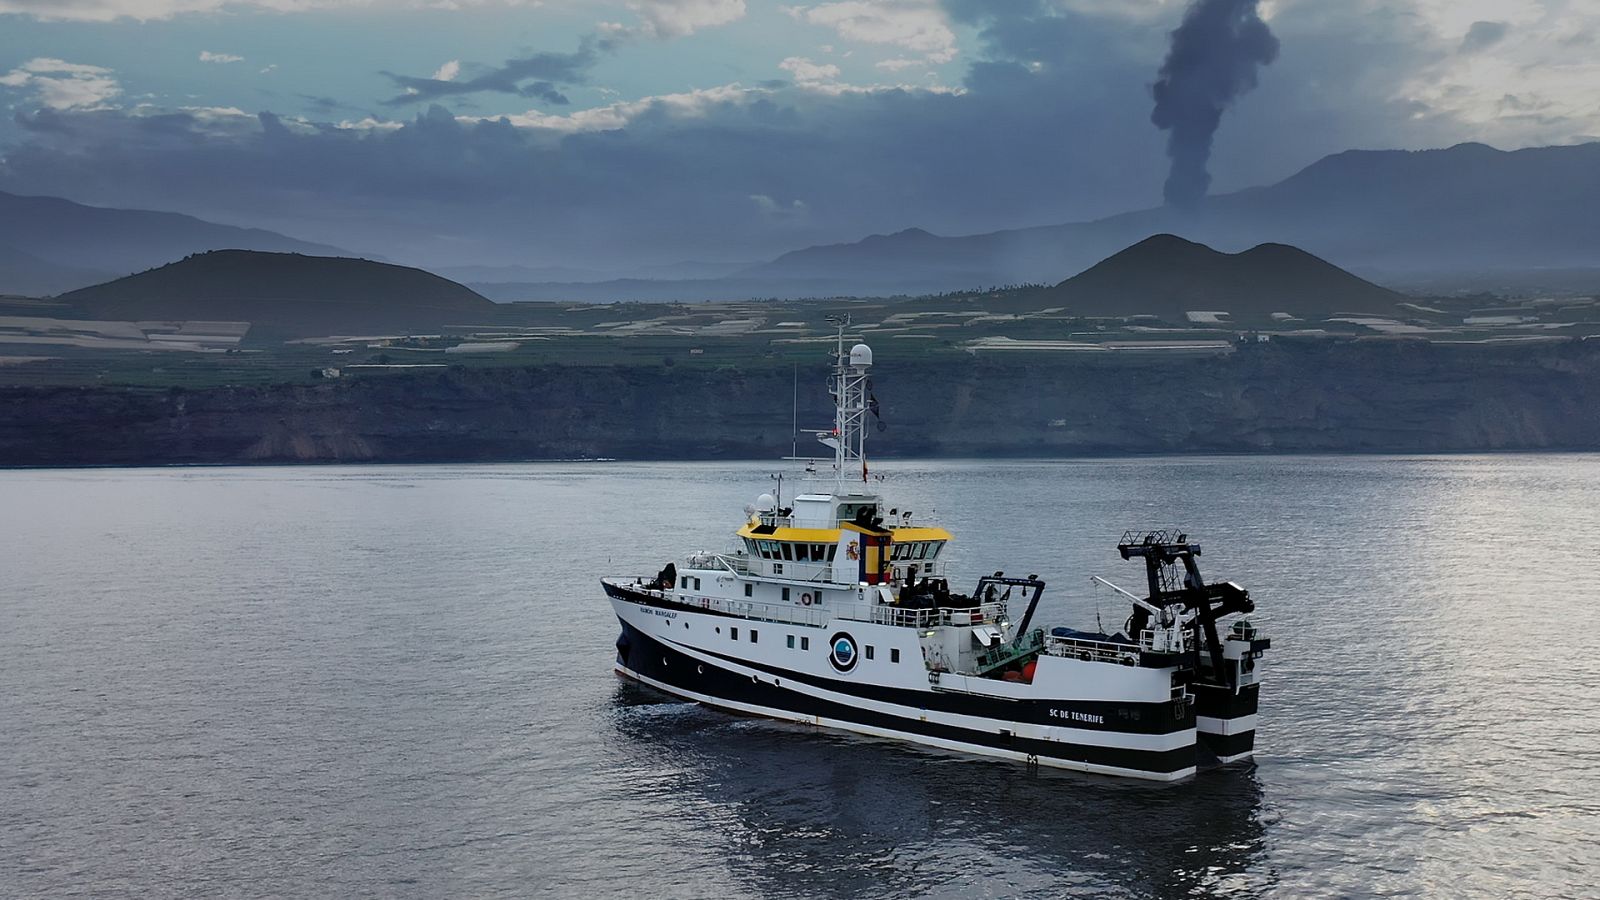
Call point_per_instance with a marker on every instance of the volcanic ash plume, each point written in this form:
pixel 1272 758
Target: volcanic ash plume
pixel 1213 59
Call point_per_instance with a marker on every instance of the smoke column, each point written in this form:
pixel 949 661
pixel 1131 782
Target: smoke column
pixel 1213 59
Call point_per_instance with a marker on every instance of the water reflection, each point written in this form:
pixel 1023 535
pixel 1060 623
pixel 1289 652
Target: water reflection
pixel 801 812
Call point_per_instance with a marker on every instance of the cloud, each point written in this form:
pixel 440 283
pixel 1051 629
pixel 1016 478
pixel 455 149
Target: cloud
pixel 539 76
pixel 658 178
pixel 678 18
pixel 918 26
pixel 206 56
pixel 151 10
pixel 680 107
pixel 772 209
pixel 804 70
pixel 57 84
pixel 1483 35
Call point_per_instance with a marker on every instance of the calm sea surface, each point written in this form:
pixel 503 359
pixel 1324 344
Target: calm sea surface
pixel 350 682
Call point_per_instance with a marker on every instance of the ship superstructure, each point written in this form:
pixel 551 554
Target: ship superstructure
pixel 835 609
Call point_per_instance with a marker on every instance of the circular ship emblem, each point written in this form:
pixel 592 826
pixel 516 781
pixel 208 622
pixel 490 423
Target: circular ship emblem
pixel 842 653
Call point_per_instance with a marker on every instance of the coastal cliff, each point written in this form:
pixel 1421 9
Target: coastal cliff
pixel 1283 396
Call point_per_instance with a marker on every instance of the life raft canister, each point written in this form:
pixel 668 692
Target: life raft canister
pixel 806 599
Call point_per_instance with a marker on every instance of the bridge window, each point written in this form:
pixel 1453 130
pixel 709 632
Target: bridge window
pixel 697 584
pixel 787 550
pixel 685 584
pixel 749 589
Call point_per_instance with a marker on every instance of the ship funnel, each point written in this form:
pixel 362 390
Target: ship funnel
pixel 861 355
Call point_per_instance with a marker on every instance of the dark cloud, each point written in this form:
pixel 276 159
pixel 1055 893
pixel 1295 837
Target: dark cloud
pixel 1483 35
pixel 537 76
pixel 324 105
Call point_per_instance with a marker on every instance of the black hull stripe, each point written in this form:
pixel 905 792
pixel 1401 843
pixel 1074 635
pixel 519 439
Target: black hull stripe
pixel 665 663
pixel 1221 702
pixel 1226 745
pixel 1119 718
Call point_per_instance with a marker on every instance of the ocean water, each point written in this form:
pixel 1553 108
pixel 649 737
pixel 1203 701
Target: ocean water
pixel 396 682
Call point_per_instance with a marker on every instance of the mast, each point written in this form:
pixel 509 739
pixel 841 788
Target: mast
pixel 850 407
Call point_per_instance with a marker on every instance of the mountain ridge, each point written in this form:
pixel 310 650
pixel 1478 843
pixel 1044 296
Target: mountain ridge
pixel 1399 213
pixel 110 241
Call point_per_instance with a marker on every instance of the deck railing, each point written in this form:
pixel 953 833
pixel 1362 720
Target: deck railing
pixel 984 614
pixel 853 610
pixel 1104 651
pixel 787 613
pixel 1088 649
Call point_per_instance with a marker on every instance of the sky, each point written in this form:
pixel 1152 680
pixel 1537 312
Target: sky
pixel 607 135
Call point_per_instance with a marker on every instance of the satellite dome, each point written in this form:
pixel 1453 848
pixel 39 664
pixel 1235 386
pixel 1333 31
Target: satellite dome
pixel 861 355
pixel 766 501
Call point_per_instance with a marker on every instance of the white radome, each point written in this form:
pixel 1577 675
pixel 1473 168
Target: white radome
pixel 861 355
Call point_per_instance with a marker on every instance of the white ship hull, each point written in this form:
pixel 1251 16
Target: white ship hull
pixel 1120 720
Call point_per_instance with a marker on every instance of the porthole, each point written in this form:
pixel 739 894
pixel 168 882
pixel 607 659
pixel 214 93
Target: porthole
pixel 699 670
pixel 755 679
pixel 663 662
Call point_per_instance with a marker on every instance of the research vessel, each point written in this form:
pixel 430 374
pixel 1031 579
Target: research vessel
pixel 834 608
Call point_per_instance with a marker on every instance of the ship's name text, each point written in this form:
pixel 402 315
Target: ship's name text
pixel 1075 716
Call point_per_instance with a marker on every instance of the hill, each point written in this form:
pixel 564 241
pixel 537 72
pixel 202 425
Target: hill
pixel 1380 213
pixel 1168 276
pixel 287 295
pixel 71 236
